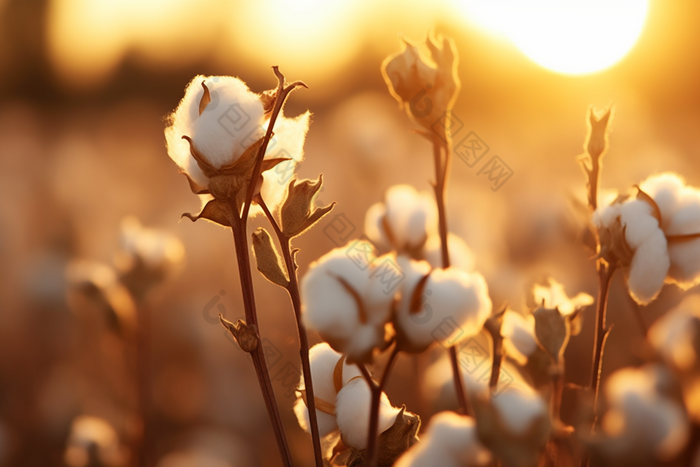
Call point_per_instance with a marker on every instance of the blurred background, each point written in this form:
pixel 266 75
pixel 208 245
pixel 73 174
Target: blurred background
pixel 84 89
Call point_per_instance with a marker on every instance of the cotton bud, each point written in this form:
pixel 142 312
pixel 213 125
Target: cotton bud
pixel 518 333
pixel 352 413
pixel 443 305
pixel 214 136
pixel 148 256
pixel 461 256
pixel 514 424
pixel 93 441
pixel 347 296
pixel 644 421
pixel 403 222
pixel 423 78
pixel 450 441
pixel 299 212
pixel 329 373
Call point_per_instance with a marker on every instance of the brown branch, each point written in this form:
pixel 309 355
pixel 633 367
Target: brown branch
pixel 295 296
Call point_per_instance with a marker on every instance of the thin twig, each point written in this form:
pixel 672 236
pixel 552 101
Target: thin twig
pixel 293 290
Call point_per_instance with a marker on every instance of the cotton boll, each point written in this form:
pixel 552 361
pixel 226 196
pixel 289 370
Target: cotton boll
pixel 455 306
pixel 672 335
pixel 352 410
pixel 407 220
pixel 326 422
pixel 155 248
pixel 346 302
pixel 374 227
pixel 685 262
pixel 451 440
pixel 519 406
pixel 324 363
pixel 461 256
pixel 227 126
pixel 286 143
pixel 225 130
pixel 606 214
pixel 639 223
pixel 427 455
pixel 518 332
pixel 665 189
pixel 649 268
pixel 640 415
pixel 553 295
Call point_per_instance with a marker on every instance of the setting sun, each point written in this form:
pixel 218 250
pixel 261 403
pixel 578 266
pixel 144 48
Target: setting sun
pixel 570 37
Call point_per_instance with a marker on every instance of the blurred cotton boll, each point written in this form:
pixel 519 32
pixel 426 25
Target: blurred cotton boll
pixel 674 334
pixel 157 249
pixel 329 376
pixel 93 441
pixel 553 295
pixel 644 417
pixel 451 441
pixel 346 302
pixel 352 409
pixel 519 335
pixel 461 256
pixel 404 221
pixel 445 305
pixel 519 407
pixel 99 283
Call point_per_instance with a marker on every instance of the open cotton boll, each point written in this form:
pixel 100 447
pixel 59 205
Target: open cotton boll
pixel 665 189
pixel 461 256
pixel 519 406
pixel 404 220
pixel 640 224
pixel 553 295
pixel 641 416
pixel 454 305
pixel 352 413
pixel 328 378
pixel 346 302
pixel 450 440
pixel 286 143
pixel 518 333
pixel 672 335
pixel 226 127
pixel 649 268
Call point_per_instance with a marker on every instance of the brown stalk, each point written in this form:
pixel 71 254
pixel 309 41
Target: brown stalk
pixel 442 171
pixel 295 296
pixel 376 390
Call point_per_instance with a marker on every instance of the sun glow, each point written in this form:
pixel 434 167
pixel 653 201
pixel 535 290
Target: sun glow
pixel 566 36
